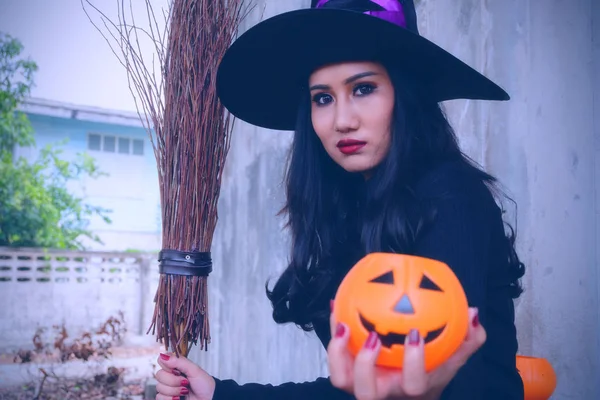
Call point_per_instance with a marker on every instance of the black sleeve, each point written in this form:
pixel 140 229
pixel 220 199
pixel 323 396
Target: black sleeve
pixel 460 237
pixel 321 388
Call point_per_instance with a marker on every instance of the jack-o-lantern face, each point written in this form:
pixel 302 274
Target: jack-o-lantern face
pixel 394 293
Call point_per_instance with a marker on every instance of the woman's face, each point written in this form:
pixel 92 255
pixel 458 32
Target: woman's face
pixel 351 112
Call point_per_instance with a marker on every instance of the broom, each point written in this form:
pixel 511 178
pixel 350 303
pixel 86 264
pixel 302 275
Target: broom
pixel 190 134
pixel 195 139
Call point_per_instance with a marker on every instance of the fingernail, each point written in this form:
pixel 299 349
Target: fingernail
pixel 185 382
pixel 176 372
pixel 184 391
pixel 413 337
pixel 331 305
pixel 339 331
pixel 371 342
pixel 164 356
pixel 476 319
pixel 176 397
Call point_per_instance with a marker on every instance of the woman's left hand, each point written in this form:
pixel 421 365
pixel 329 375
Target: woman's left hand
pixel 360 376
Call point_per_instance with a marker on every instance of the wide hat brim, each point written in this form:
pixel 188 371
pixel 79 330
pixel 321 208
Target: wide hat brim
pixel 262 75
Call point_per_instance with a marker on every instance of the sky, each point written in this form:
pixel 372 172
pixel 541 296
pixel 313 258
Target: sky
pixel 76 64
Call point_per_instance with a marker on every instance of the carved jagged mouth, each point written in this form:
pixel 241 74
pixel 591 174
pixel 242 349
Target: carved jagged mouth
pixel 397 338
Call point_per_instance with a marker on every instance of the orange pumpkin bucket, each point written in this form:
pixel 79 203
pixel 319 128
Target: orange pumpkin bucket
pixel 394 293
pixel 539 378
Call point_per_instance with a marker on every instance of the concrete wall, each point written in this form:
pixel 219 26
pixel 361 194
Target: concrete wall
pixel 596 86
pixel 540 145
pixel 78 289
pixel 548 160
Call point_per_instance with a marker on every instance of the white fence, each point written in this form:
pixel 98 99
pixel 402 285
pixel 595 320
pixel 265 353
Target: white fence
pixel 80 289
pixel 83 289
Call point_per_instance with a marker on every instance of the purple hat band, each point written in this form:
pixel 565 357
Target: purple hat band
pixel 393 11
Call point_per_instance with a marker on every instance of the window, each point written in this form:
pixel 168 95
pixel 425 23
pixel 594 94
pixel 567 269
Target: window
pixel 124 145
pixel 138 147
pixel 115 144
pixel 94 141
pixel 109 144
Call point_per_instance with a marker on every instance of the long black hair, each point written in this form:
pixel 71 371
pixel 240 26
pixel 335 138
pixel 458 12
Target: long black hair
pixel 336 217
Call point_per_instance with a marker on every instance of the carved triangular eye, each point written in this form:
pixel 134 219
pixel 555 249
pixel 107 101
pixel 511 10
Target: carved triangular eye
pixel 387 278
pixel 428 284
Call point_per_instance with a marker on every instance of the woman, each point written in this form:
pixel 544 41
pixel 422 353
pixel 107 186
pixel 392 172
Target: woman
pixel 374 166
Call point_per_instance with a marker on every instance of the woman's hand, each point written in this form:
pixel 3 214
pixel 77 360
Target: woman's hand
pixel 179 376
pixel 361 377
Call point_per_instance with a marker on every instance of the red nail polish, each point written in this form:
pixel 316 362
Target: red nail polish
pixel 185 383
pixel 339 332
pixel 372 340
pixel 176 372
pixel 476 321
pixel 164 356
pixel 413 337
pixel 175 398
pixel 184 391
pixel 331 305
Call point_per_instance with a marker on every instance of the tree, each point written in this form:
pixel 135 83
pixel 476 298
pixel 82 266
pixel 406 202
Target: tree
pixel 36 208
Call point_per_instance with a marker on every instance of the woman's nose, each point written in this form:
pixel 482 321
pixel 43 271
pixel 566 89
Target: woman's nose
pixel 346 119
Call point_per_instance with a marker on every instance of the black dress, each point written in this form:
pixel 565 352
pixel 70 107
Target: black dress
pixel 467 234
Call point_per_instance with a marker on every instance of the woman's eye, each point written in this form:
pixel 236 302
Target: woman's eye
pixel 322 99
pixel 364 89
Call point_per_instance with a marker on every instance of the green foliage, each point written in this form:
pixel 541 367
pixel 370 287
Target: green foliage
pixel 16 79
pixel 37 209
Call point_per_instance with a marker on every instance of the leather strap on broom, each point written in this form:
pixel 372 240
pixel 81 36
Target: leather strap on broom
pixel 183 295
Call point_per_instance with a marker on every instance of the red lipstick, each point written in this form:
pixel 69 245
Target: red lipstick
pixel 350 146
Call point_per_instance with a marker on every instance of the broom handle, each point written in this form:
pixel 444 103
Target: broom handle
pixel 183 347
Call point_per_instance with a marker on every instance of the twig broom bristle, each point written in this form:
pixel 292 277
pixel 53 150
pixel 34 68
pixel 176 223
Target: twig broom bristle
pixel 190 133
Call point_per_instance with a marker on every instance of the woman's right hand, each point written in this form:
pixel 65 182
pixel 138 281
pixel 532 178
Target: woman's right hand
pixel 361 377
pixel 179 376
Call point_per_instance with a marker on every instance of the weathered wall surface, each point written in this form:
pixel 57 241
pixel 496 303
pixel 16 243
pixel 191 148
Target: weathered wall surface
pixel 541 145
pixel 76 290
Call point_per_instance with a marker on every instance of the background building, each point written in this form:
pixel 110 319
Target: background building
pixel 122 149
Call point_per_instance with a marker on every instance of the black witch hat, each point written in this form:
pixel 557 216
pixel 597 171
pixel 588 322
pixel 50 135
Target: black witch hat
pixel 262 75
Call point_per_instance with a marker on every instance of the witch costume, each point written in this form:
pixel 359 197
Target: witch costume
pixel 261 80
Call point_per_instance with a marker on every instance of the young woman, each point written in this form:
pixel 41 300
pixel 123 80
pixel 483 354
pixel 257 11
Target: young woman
pixel 374 166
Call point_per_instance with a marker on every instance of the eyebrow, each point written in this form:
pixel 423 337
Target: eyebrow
pixel 347 81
